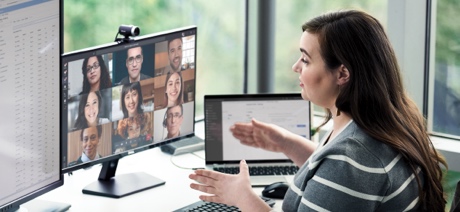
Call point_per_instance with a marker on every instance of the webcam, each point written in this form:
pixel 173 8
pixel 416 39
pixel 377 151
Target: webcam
pixel 127 31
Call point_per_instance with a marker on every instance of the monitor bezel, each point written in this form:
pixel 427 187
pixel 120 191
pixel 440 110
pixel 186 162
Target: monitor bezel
pixel 151 38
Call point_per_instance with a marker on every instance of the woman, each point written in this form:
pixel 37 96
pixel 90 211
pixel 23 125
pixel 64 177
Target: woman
pixel 88 111
pixel 131 100
pixel 130 128
pixel 135 127
pixel 173 93
pixel 95 74
pixel 378 155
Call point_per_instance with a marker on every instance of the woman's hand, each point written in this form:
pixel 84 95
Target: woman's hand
pixel 234 190
pixel 260 135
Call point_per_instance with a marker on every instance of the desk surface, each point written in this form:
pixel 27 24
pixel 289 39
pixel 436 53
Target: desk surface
pixel 175 194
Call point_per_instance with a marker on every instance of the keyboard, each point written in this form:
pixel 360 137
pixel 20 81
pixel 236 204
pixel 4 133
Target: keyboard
pixel 211 206
pixel 261 170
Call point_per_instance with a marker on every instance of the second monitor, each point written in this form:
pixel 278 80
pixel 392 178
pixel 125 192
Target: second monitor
pixel 119 99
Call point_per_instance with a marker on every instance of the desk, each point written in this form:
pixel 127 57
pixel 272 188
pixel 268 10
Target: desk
pixel 175 194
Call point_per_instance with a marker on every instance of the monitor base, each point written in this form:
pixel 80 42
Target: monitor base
pixel 123 185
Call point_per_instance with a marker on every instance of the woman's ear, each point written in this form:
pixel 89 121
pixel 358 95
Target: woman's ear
pixel 343 75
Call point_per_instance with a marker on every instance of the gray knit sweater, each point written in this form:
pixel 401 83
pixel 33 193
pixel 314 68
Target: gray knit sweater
pixel 353 172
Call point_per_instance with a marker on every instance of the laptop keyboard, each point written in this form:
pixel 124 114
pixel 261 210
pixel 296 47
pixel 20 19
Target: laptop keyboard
pixel 261 170
pixel 211 206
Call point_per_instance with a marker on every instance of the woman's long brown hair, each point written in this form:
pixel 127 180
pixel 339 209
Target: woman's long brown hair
pixel 375 97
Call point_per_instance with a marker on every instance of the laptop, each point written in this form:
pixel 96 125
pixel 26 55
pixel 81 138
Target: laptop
pixel 223 152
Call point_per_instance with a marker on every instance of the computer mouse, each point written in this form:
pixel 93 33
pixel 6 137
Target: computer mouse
pixel 275 190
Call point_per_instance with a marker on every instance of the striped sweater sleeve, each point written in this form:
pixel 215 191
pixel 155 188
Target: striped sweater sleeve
pixel 355 173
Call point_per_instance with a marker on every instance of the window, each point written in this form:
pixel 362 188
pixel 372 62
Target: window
pixel 188 54
pixel 444 100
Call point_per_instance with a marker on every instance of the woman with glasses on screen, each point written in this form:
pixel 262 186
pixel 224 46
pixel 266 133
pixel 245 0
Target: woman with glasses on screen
pixel 131 100
pixel 88 111
pixel 173 89
pixel 95 74
pixel 378 155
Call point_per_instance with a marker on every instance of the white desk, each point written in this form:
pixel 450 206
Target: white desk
pixel 175 194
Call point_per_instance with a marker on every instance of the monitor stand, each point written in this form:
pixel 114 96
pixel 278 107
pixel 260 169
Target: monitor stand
pixel 38 205
pixel 109 185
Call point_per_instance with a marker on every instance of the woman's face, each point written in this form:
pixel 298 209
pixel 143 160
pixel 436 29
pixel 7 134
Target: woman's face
pixel 92 109
pixel 318 83
pixel 90 142
pixel 131 101
pixel 93 71
pixel 134 130
pixel 173 88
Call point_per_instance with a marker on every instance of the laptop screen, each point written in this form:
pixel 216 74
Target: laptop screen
pixel 288 111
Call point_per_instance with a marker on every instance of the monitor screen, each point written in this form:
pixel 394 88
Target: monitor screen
pixel 30 51
pixel 120 98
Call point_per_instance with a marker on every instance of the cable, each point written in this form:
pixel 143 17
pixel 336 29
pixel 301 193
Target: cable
pixel 193 153
pixel 183 167
pixel 116 38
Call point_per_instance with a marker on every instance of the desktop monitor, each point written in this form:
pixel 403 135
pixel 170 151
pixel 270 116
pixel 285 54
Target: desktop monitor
pixel 122 98
pixel 30 50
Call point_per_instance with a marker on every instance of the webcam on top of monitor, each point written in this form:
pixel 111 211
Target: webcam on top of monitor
pixel 127 31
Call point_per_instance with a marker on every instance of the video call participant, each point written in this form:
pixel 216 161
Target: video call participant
pixel 90 138
pixel 173 121
pixel 131 100
pixel 133 128
pixel 173 89
pixel 378 155
pixel 88 111
pixel 175 54
pixel 95 74
pixel 134 59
